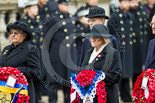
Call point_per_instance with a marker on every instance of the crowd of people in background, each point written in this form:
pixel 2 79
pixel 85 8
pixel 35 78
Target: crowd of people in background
pixel 129 25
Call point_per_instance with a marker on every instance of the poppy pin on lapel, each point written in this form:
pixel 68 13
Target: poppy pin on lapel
pixel 5 52
pixel 99 55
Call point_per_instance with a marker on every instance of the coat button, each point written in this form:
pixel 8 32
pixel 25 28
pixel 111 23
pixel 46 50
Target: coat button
pixel 134 34
pixel 65 30
pixel 61 16
pixel 29 21
pixel 34 41
pixel 78 25
pixel 120 15
pixel 122 29
pixel 41 39
pixel 141 26
pixel 74 30
pixel 38 17
pixel 141 33
pixel 73 22
pixel 138 13
pixel 130 35
pixel 81 28
pixel 47 15
pixel 121 22
pixel 140 19
pixel 74 45
pixel 33 33
pixel 82 34
pixel 40 26
pixel 68 45
pixel 144 12
pixel 42 33
pixel 56 12
pixel 145 32
pixel 82 40
pixel 123 43
pixel 74 37
pixel 25 17
pixel 31 27
pixel 117 10
pixel 67 37
pixel 131 22
pixel 130 43
pixel 141 40
pixel 46 8
pixel 131 29
pixel 134 40
pixel 63 23
pixel 123 36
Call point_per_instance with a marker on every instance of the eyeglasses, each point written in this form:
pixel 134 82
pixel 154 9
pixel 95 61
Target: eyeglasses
pixel 91 21
pixel 151 24
pixel 15 33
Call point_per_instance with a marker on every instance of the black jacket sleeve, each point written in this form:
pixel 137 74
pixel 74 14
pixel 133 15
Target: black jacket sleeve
pixel 32 70
pixel 114 73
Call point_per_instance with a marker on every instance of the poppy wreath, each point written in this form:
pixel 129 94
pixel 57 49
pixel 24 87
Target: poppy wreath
pixel 19 94
pixel 84 79
pixel 138 93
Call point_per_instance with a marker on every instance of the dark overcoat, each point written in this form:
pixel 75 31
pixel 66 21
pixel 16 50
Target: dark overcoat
pixel 139 27
pixel 63 38
pixel 150 60
pixel 110 64
pixel 24 57
pixel 119 26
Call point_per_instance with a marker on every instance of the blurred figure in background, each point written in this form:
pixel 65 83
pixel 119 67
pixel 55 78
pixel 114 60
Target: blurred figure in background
pixel 62 38
pixel 139 36
pixel 32 19
pixel 46 7
pixel 114 4
pixel 89 4
pixel 119 26
pixel 149 6
pixel 82 27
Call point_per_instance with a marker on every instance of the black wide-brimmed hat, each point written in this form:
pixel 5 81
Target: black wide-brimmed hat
pixel 66 2
pixel 99 30
pixel 21 26
pixel 96 12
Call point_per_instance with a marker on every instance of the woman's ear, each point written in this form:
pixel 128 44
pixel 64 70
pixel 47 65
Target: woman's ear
pixel 25 35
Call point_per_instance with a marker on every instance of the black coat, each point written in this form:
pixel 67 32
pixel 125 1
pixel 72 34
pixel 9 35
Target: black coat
pixel 110 64
pixel 139 25
pixel 119 26
pixel 63 38
pixel 24 57
pixel 150 60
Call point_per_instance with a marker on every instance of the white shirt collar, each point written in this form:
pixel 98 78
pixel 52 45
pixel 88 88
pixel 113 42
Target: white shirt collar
pixel 95 53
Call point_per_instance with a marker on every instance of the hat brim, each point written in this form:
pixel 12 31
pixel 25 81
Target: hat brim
pixel 91 16
pixel 99 35
pixel 29 36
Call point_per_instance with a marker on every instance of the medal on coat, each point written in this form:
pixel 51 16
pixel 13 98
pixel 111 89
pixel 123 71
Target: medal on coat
pixel 5 97
pixel 5 52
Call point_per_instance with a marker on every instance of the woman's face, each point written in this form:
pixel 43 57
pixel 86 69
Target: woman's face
pixel 96 42
pixel 33 10
pixel 16 36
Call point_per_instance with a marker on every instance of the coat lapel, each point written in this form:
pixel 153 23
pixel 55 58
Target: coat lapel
pixel 16 51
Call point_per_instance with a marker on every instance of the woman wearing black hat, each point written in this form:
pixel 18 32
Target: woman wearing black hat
pixel 21 55
pixel 108 61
